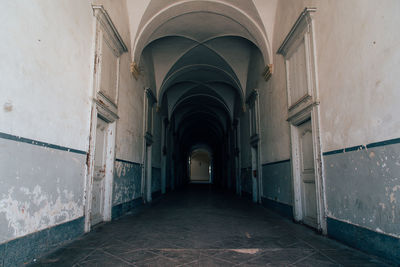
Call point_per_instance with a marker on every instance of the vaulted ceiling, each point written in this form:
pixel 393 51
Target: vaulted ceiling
pixel 201 57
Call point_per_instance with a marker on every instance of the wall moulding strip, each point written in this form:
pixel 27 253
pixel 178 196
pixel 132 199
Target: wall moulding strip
pixel 298 27
pixel 361 147
pixel 276 162
pixel 39 143
pixel 127 161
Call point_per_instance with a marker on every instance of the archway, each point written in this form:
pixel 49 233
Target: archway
pixel 201 60
pixel 200 166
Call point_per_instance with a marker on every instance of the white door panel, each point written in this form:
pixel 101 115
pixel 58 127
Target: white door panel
pixel 99 172
pixel 307 175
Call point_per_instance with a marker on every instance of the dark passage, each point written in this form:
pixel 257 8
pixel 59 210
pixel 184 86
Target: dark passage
pixel 200 226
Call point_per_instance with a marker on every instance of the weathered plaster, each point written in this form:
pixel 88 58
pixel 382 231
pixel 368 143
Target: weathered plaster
pixel 363 188
pixel 28 211
pixel 39 187
pixel 358 68
pixel 45 64
pixel 277 182
pixel 127 182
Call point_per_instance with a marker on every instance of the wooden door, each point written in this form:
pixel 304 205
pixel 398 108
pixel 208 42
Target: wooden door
pixel 99 172
pixel 307 174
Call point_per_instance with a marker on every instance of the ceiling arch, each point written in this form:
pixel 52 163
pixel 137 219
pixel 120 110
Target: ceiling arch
pixel 200 74
pixel 200 127
pixel 168 20
pixel 221 92
pixel 173 54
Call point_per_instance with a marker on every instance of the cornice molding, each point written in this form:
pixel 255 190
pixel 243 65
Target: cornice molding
pixel 104 19
pixel 106 108
pixel 300 25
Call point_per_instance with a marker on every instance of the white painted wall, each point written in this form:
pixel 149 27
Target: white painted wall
pixel 46 71
pixel 129 140
pixel 359 78
pixel 357 63
pixel 358 68
pixel 46 95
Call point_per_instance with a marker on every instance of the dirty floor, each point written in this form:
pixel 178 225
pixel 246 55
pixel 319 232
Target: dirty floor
pixel 202 227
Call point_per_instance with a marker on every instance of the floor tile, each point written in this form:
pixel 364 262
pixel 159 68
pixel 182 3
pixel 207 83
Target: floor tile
pixel 157 262
pixel 138 256
pixel 202 227
pixel 65 256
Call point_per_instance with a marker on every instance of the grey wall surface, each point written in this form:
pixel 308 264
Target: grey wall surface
pixel 155 179
pixel 277 182
pixel 127 181
pixel 39 187
pixel 363 187
pixel 246 180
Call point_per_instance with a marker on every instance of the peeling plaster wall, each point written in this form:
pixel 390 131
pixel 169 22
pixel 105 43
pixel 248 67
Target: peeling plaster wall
pixel 358 65
pixel 363 188
pixel 277 182
pixel 358 68
pixel 46 58
pixel 129 132
pixel 127 182
pixel 39 187
pixel 48 99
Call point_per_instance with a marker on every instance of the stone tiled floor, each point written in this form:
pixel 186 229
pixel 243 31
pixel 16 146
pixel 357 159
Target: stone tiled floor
pixel 200 227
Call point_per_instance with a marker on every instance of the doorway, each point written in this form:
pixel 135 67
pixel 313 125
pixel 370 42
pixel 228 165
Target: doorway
pixel 307 174
pixel 254 173
pixel 200 166
pixel 100 196
pixel 97 215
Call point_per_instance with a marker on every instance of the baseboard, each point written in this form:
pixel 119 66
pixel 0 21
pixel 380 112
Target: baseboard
pixel 364 239
pixel 24 249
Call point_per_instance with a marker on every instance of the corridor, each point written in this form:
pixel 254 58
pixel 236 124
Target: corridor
pixel 198 226
pixel 111 111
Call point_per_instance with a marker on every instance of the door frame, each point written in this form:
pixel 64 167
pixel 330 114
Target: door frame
pixel 102 106
pixel 311 113
pixel 255 144
pixel 304 107
pixel 97 112
pixel 148 122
